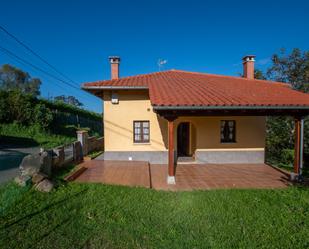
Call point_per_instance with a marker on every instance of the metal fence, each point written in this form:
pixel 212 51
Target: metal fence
pixel 66 118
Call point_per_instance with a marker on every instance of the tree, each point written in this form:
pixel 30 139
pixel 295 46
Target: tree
pixel 69 100
pixel 12 78
pixel 74 101
pixel 293 68
pixel 60 98
pixel 258 74
pixel 15 107
pixel 42 116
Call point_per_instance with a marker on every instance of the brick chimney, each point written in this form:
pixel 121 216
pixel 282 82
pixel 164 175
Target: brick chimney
pixel 248 63
pixel 115 61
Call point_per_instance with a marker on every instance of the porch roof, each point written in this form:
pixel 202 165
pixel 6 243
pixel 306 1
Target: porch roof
pixel 180 90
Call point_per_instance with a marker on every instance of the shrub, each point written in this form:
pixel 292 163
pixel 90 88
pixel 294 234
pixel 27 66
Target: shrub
pixel 287 157
pixel 18 108
pixel 65 130
pixel 42 116
pixel 4 110
pixel 27 110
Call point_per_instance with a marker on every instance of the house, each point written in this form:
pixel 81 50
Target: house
pixel 175 116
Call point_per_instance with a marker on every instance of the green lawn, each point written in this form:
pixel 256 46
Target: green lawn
pixel 99 216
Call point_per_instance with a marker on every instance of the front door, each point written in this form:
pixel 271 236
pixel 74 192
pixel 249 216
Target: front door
pixel 183 139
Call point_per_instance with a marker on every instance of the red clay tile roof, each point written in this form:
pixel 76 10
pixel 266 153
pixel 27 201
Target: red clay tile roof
pixel 181 88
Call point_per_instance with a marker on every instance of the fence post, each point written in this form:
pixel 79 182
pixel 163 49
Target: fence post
pixel 77 152
pixel 59 152
pixel 82 137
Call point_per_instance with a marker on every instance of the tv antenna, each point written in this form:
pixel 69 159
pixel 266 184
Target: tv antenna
pixel 161 63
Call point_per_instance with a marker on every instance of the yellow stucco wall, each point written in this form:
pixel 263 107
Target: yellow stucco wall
pixel 205 131
pixel 118 122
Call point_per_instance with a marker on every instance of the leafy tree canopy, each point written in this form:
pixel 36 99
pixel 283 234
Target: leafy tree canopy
pixel 12 78
pixel 293 68
pixel 258 74
pixel 71 100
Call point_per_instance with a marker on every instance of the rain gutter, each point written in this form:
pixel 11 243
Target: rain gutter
pixel 229 107
pixel 115 87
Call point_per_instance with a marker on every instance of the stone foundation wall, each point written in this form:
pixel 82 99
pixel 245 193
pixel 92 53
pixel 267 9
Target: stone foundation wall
pixel 230 157
pixel 154 157
pixel 201 157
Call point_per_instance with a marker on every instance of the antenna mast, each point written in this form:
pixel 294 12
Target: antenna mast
pixel 161 63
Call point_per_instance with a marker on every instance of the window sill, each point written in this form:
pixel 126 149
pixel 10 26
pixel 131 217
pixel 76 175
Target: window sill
pixel 141 143
pixel 228 142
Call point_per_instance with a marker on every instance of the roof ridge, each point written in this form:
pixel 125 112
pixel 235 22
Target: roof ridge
pixel 224 76
pixel 129 77
pixel 187 72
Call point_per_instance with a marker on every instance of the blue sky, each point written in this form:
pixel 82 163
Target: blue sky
pixel 204 36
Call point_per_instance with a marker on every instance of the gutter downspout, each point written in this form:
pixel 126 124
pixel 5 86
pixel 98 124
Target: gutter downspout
pixel 301 147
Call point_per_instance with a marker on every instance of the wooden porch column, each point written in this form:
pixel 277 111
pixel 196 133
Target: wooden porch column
pixel 171 160
pixel 297 149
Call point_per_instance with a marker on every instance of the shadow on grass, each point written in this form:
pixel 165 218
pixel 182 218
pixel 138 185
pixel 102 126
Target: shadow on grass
pixel 29 216
pixel 16 142
pixel 64 222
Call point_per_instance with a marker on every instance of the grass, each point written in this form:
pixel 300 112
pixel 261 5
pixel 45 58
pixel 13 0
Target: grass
pixel 100 216
pixel 31 136
pixel 94 154
pixel 61 173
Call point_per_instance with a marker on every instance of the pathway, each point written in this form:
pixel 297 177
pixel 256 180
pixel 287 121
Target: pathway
pixel 10 158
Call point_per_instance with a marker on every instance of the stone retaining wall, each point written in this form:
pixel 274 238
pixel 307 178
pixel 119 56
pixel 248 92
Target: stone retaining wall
pixel 95 144
pixel 89 144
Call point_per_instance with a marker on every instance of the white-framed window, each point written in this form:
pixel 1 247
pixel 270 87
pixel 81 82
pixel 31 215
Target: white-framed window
pixel 141 131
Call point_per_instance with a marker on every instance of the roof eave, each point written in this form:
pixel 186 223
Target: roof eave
pixel 115 87
pixel 256 107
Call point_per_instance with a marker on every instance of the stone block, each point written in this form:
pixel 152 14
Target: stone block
pixel 295 177
pixel 38 177
pixel 46 163
pixel 59 156
pixel 36 163
pixel 23 180
pixel 44 186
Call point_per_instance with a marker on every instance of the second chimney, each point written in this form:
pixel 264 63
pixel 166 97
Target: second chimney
pixel 248 63
pixel 115 61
